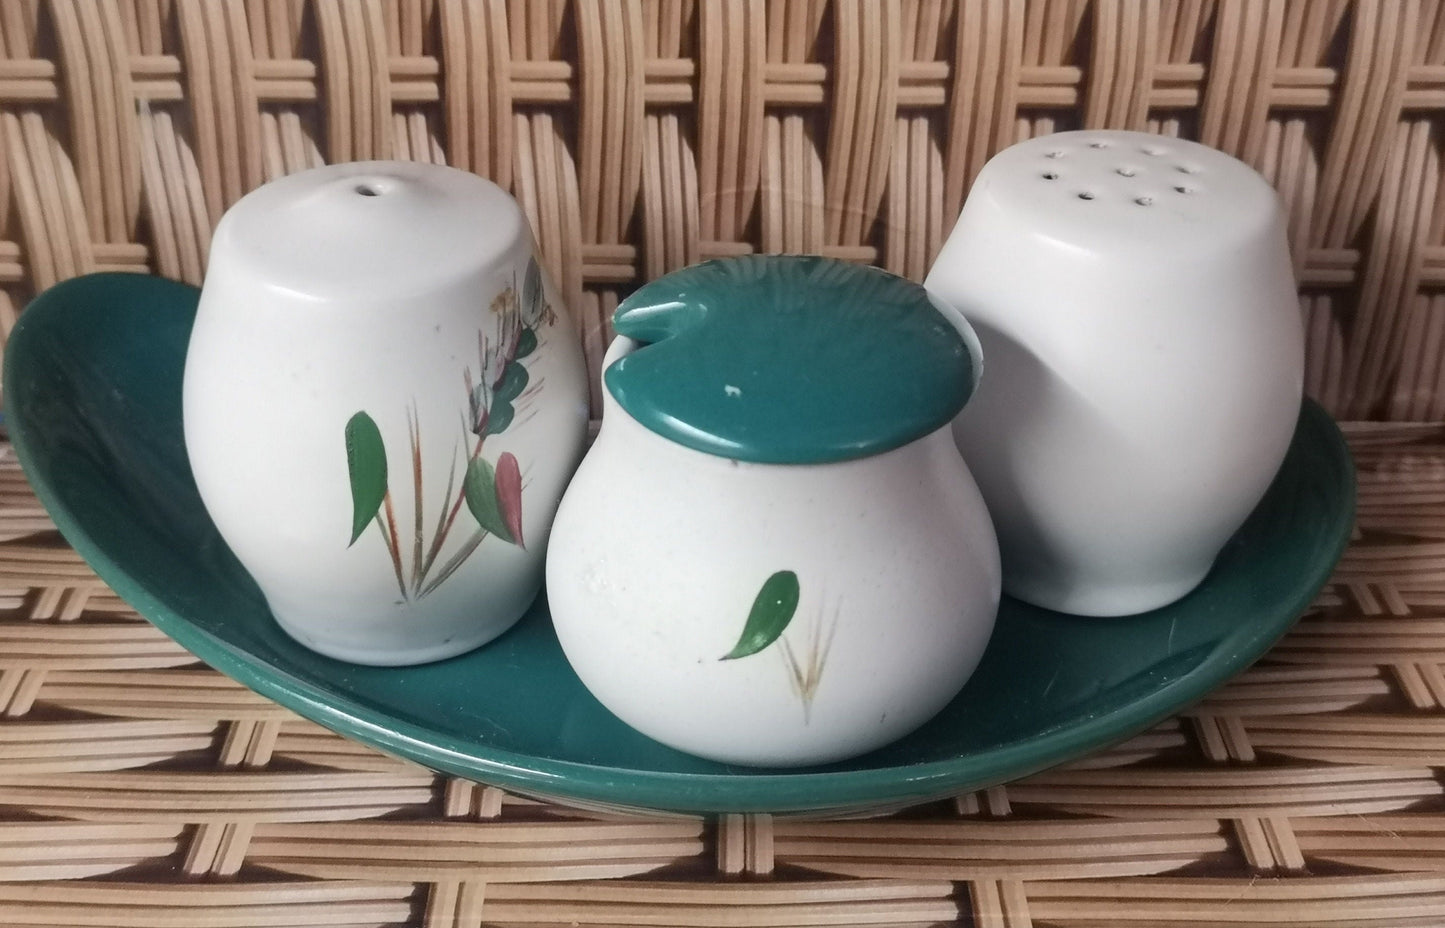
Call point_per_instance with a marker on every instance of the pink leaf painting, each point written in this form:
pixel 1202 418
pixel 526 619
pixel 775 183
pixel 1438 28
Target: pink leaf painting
pixel 509 495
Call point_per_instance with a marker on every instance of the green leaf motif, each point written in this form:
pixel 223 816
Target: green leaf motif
pixel 532 292
pixel 526 344
pixel 513 382
pixel 366 464
pixel 772 611
pixel 501 416
pixel 481 491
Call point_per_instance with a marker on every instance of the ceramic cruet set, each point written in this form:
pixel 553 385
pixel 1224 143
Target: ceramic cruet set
pixel 774 553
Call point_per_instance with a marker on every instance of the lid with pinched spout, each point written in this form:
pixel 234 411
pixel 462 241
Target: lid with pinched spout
pixel 790 359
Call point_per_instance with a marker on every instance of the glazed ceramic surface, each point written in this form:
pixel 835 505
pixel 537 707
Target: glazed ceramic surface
pixel 93 393
pixel 757 612
pixel 1134 298
pixel 383 403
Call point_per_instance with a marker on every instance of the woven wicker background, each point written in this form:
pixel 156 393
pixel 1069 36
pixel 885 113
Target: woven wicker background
pixel 138 787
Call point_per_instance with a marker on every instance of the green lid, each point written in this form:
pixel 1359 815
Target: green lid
pixel 789 359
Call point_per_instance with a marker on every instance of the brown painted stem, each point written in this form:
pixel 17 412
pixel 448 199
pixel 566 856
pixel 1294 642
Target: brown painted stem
pixel 456 561
pixel 451 517
pixel 394 543
pixel 439 535
pixel 415 436
pixel 392 553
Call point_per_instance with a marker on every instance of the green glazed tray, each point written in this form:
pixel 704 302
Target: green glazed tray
pixel 93 390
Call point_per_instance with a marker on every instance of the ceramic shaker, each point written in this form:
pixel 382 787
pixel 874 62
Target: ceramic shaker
pixel 773 553
pixel 383 401
pixel 1134 296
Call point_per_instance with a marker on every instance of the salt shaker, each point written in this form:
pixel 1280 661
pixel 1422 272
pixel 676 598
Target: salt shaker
pixel 383 401
pixel 1134 296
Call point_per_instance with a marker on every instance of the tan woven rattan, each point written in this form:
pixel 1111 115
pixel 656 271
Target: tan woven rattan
pixel 138 787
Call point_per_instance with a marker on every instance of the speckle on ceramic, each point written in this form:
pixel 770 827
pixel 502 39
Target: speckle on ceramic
pixel 1135 300
pixel 383 401
pixel 794 570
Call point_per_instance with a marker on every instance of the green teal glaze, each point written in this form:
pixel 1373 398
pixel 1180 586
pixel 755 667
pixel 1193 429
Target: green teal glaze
pixel 788 360
pixel 93 390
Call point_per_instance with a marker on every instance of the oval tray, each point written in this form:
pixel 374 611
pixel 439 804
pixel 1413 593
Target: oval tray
pixel 93 390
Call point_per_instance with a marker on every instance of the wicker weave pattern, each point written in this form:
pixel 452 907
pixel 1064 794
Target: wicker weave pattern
pixel 642 135
pixel 139 788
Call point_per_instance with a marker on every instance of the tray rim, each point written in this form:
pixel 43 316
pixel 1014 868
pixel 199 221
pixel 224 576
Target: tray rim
pixel 567 781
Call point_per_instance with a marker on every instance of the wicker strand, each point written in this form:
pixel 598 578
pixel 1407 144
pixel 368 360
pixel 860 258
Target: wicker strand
pixel 647 134
pixel 138 787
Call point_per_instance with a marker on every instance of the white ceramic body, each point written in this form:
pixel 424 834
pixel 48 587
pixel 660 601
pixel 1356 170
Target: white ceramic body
pixel 659 550
pixel 368 288
pixel 1134 298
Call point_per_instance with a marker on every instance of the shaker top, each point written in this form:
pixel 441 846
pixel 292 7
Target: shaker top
pixel 789 360
pixel 1114 195
pixel 370 230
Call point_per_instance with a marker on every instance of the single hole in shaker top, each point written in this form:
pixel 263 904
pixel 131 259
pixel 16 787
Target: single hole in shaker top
pixel 1125 171
pixel 1097 144
pixel 1086 195
pixel 1056 153
pixel 1186 169
pixel 367 190
pixel 1152 150
pixel 1145 201
pixel 1183 189
pixel 1049 175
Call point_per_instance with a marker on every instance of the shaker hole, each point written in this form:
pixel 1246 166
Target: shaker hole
pixel 367 190
pixel 1152 150
pixel 1125 172
pixel 1186 169
pixel 1098 144
pixel 1056 153
pixel 1145 201
pixel 1049 175
pixel 1183 189
pixel 1086 195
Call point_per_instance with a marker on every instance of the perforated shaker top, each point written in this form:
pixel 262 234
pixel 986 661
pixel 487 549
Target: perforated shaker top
pixel 370 230
pixel 1117 189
